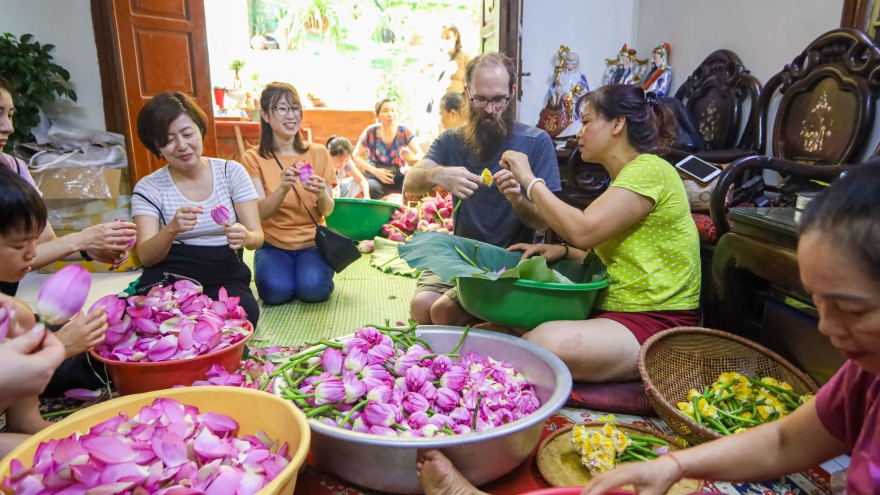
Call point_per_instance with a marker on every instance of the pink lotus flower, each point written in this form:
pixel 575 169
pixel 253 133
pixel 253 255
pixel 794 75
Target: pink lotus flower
pixel 221 215
pixel 377 413
pixel 329 391
pixel 413 402
pixel 331 360
pixel 446 399
pixel 306 172
pixel 356 360
pixel 130 243
pixel 63 295
pixel 114 307
pixel 454 380
pixel 354 388
pixel 415 378
pixel 381 394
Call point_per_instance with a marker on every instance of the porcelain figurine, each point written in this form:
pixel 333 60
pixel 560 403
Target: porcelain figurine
pixel 660 77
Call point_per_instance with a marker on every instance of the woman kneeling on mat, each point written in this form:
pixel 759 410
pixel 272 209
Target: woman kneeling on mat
pixel 172 206
pixel 289 265
pixel 641 228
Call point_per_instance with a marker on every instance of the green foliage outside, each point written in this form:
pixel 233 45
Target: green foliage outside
pixel 37 81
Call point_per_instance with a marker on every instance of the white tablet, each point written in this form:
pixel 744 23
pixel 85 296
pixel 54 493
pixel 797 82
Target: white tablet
pixel 699 170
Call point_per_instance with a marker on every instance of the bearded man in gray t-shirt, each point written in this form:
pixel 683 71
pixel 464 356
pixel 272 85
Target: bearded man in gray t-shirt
pixel 500 215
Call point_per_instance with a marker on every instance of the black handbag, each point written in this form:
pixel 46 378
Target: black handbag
pixel 336 249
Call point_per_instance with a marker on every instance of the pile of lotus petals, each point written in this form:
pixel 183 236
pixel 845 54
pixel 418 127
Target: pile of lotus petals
pixel 432 214
pixel 170 323
pixel 166 449
pixel 386 381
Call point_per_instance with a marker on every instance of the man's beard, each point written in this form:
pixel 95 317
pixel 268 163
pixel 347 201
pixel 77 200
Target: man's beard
pixel 482 138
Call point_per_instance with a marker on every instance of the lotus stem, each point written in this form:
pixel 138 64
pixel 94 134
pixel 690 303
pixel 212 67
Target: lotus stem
pixel 61 413
pixel 477 411
pixel 351 411
pixel 461 341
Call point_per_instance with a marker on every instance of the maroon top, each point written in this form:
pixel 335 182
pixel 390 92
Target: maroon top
pixel 849 408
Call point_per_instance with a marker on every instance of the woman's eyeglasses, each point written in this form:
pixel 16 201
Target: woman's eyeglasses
pixel 286 110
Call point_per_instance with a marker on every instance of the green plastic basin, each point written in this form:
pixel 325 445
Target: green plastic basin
pixel 526 304
pixel 360 219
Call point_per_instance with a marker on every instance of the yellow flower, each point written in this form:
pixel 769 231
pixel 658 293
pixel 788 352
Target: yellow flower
pixel 739 430
pixel 595 441
pixel 608 429
pixel 578 435
pixel 725 378
pixel 765 411
pixel 806 398
pixel 687 408
pixel 746 415
pixel 621 441
pixel 486 176
pixel 693 393
pixel 770 381
pixel 706 410
pixel 608 447
pixel 608 418
pixel 604 461
pixel 743 391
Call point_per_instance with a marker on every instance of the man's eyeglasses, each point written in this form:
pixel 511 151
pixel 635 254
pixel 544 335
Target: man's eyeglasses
pixel 285 110
pixel 497 102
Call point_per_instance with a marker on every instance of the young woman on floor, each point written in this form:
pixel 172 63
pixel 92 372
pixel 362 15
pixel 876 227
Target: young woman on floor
pixel 172 206
pixel 350 182
pixel 641 228
pixel 289 265
pixel 385 151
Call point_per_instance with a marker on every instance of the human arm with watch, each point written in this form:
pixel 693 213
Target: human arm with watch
pixel 106 242
pixel 613 212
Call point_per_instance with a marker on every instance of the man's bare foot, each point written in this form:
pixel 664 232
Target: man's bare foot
pixel 439 476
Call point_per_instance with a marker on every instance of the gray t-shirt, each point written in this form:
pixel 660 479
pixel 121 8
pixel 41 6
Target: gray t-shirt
pixel 487 215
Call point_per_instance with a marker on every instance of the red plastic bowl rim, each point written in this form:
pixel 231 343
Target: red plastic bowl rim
pixel 166 363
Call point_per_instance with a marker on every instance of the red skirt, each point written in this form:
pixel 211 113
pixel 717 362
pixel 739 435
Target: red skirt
pixel 646 323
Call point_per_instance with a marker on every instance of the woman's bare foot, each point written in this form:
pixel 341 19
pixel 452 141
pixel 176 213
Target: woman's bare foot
pixel 439 476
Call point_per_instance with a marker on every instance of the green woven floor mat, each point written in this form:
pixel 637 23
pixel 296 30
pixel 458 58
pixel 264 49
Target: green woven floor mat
pixel 362 295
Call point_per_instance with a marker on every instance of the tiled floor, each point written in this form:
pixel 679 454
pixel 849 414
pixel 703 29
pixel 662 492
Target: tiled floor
pixel 102 285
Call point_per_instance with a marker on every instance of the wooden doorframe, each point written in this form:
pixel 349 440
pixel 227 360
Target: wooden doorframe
pixel 111 81
pixel 855 14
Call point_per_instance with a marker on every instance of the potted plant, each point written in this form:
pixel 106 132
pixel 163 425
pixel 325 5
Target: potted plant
pixel 37 81
pixel 236 66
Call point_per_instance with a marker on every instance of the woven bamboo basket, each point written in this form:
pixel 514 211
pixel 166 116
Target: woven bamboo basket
pixel 559 461
pixel 676 360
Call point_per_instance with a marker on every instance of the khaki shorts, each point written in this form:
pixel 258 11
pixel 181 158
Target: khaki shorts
pixel 431 282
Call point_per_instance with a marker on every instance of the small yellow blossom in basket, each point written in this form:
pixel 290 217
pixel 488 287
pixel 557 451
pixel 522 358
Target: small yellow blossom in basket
pixel 487 177
pixel 578 435
pixel 621 441
pixel 608 429
pixel 608 446
pixel 687 408
pixel 693 393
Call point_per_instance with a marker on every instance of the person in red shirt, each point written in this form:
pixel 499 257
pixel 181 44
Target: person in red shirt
pixel 840 266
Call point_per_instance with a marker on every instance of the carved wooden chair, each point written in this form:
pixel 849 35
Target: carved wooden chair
pixel 715 95
pixel 827 97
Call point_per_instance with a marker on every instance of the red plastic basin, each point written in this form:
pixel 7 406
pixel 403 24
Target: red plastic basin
pixel 138 378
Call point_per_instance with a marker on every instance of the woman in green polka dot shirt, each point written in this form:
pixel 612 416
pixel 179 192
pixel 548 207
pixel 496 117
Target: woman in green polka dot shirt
pixel 641 228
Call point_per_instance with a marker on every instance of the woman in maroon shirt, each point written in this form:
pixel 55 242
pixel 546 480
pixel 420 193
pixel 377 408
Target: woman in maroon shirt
pixel 839 257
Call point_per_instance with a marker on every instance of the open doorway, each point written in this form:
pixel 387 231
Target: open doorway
pixel 341 55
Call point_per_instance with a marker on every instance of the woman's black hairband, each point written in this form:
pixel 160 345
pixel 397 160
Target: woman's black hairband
pixel 651 98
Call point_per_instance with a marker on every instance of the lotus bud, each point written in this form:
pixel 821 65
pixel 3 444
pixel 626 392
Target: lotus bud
pixel 221 215
pixel 305 172
pixel 63 295
pixel 114 307
pixel 329 391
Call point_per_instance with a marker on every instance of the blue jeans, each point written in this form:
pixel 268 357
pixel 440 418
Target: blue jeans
pixel 283 275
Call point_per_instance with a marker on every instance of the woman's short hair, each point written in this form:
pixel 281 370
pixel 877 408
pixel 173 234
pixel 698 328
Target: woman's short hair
pixel 157 115
pixel 649 123
pixel 272 94
pixel 849 212
pixel 381 102
pixel 452 101
pixel 5 85
pixel 338 146
pixel 23 209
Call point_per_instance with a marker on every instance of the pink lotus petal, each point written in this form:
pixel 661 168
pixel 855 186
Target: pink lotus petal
pixel 218 423
pixel 208 446
pixel 114 307
pixel 250 484
pixel 108 449
pixel 305 172
pixel 169 448
pixel 115 473
pixel 110 488
pixel 82 394
pixel 163 349
pixel 67 450
pixel 87 474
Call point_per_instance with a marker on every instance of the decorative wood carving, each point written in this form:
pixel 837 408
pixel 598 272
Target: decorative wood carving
pixel 715 95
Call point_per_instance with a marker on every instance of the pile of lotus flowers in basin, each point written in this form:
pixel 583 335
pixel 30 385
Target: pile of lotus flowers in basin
pixel 432 214
pixel 170 323
pixel 386 381
pixel 168 448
